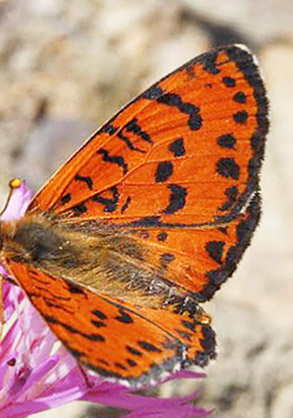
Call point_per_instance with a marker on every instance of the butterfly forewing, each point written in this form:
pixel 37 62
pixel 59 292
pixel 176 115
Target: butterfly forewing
pixel 194 142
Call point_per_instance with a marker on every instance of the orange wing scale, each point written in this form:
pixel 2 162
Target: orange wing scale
pixel 91 326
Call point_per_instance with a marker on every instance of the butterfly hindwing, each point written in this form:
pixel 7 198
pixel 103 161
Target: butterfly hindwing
pixel 114 339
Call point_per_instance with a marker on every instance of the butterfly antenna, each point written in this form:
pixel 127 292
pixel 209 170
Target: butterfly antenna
pixel 13 184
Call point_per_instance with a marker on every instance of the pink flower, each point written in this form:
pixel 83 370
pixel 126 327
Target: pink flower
pixel 37 372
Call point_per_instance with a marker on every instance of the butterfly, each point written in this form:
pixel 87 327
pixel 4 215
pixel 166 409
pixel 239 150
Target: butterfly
pixel 144 223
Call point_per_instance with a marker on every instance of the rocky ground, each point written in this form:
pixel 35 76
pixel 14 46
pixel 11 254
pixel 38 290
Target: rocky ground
pixel 67 66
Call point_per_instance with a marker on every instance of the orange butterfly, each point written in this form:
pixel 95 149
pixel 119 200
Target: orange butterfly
pixel 147 220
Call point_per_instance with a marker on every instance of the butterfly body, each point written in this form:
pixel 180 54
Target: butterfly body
pixel 106 260
pixel 147 220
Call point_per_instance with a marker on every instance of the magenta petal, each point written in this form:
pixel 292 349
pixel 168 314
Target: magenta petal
pixel 40 372
pixel 17 205
pixel 12 296
pixel 73 380
pixel 181 411
pixel 10 341
pixel 24 409
pixel 2 270
pixel 149 407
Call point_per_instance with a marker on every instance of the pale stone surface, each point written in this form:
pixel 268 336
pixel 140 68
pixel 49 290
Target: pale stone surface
pixel 67 66
pixel 260 20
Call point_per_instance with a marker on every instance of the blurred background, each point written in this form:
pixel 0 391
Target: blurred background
pixel 65 67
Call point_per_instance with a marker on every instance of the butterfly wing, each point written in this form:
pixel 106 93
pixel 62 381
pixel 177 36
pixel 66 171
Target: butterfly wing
pixel 193 142
pixel 112 338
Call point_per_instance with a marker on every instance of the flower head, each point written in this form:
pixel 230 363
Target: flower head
pixel 38 373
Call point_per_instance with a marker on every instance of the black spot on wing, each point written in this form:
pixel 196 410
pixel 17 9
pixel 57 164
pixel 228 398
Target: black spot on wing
pixel 240 117
pixel 164 171
pixel 79 209
pixel 110 204
pixel 227 167
pixel 91 337
pixel 239 97
pixel 133 126
pixel 229 81
pixel 177 198
pixel 126 204
pixel 104 362
pixel 245 63
pixel 98 324
pixel 177 147
pixel 162 236
pixel 131 362
pixel 124 317
pixel 174 100
pixel 227 141
pixel 99 314
pixel 120 366
pixel 73 288
pixel 215 250
pixel 113 159
pixel 166 258
pixel 76 353
pixel 147 221
pixel 129 143
pixel 231 193
pixel 148 347
pixel 223 229
pixel 66 198
pixel 87 180
pixel 134 351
